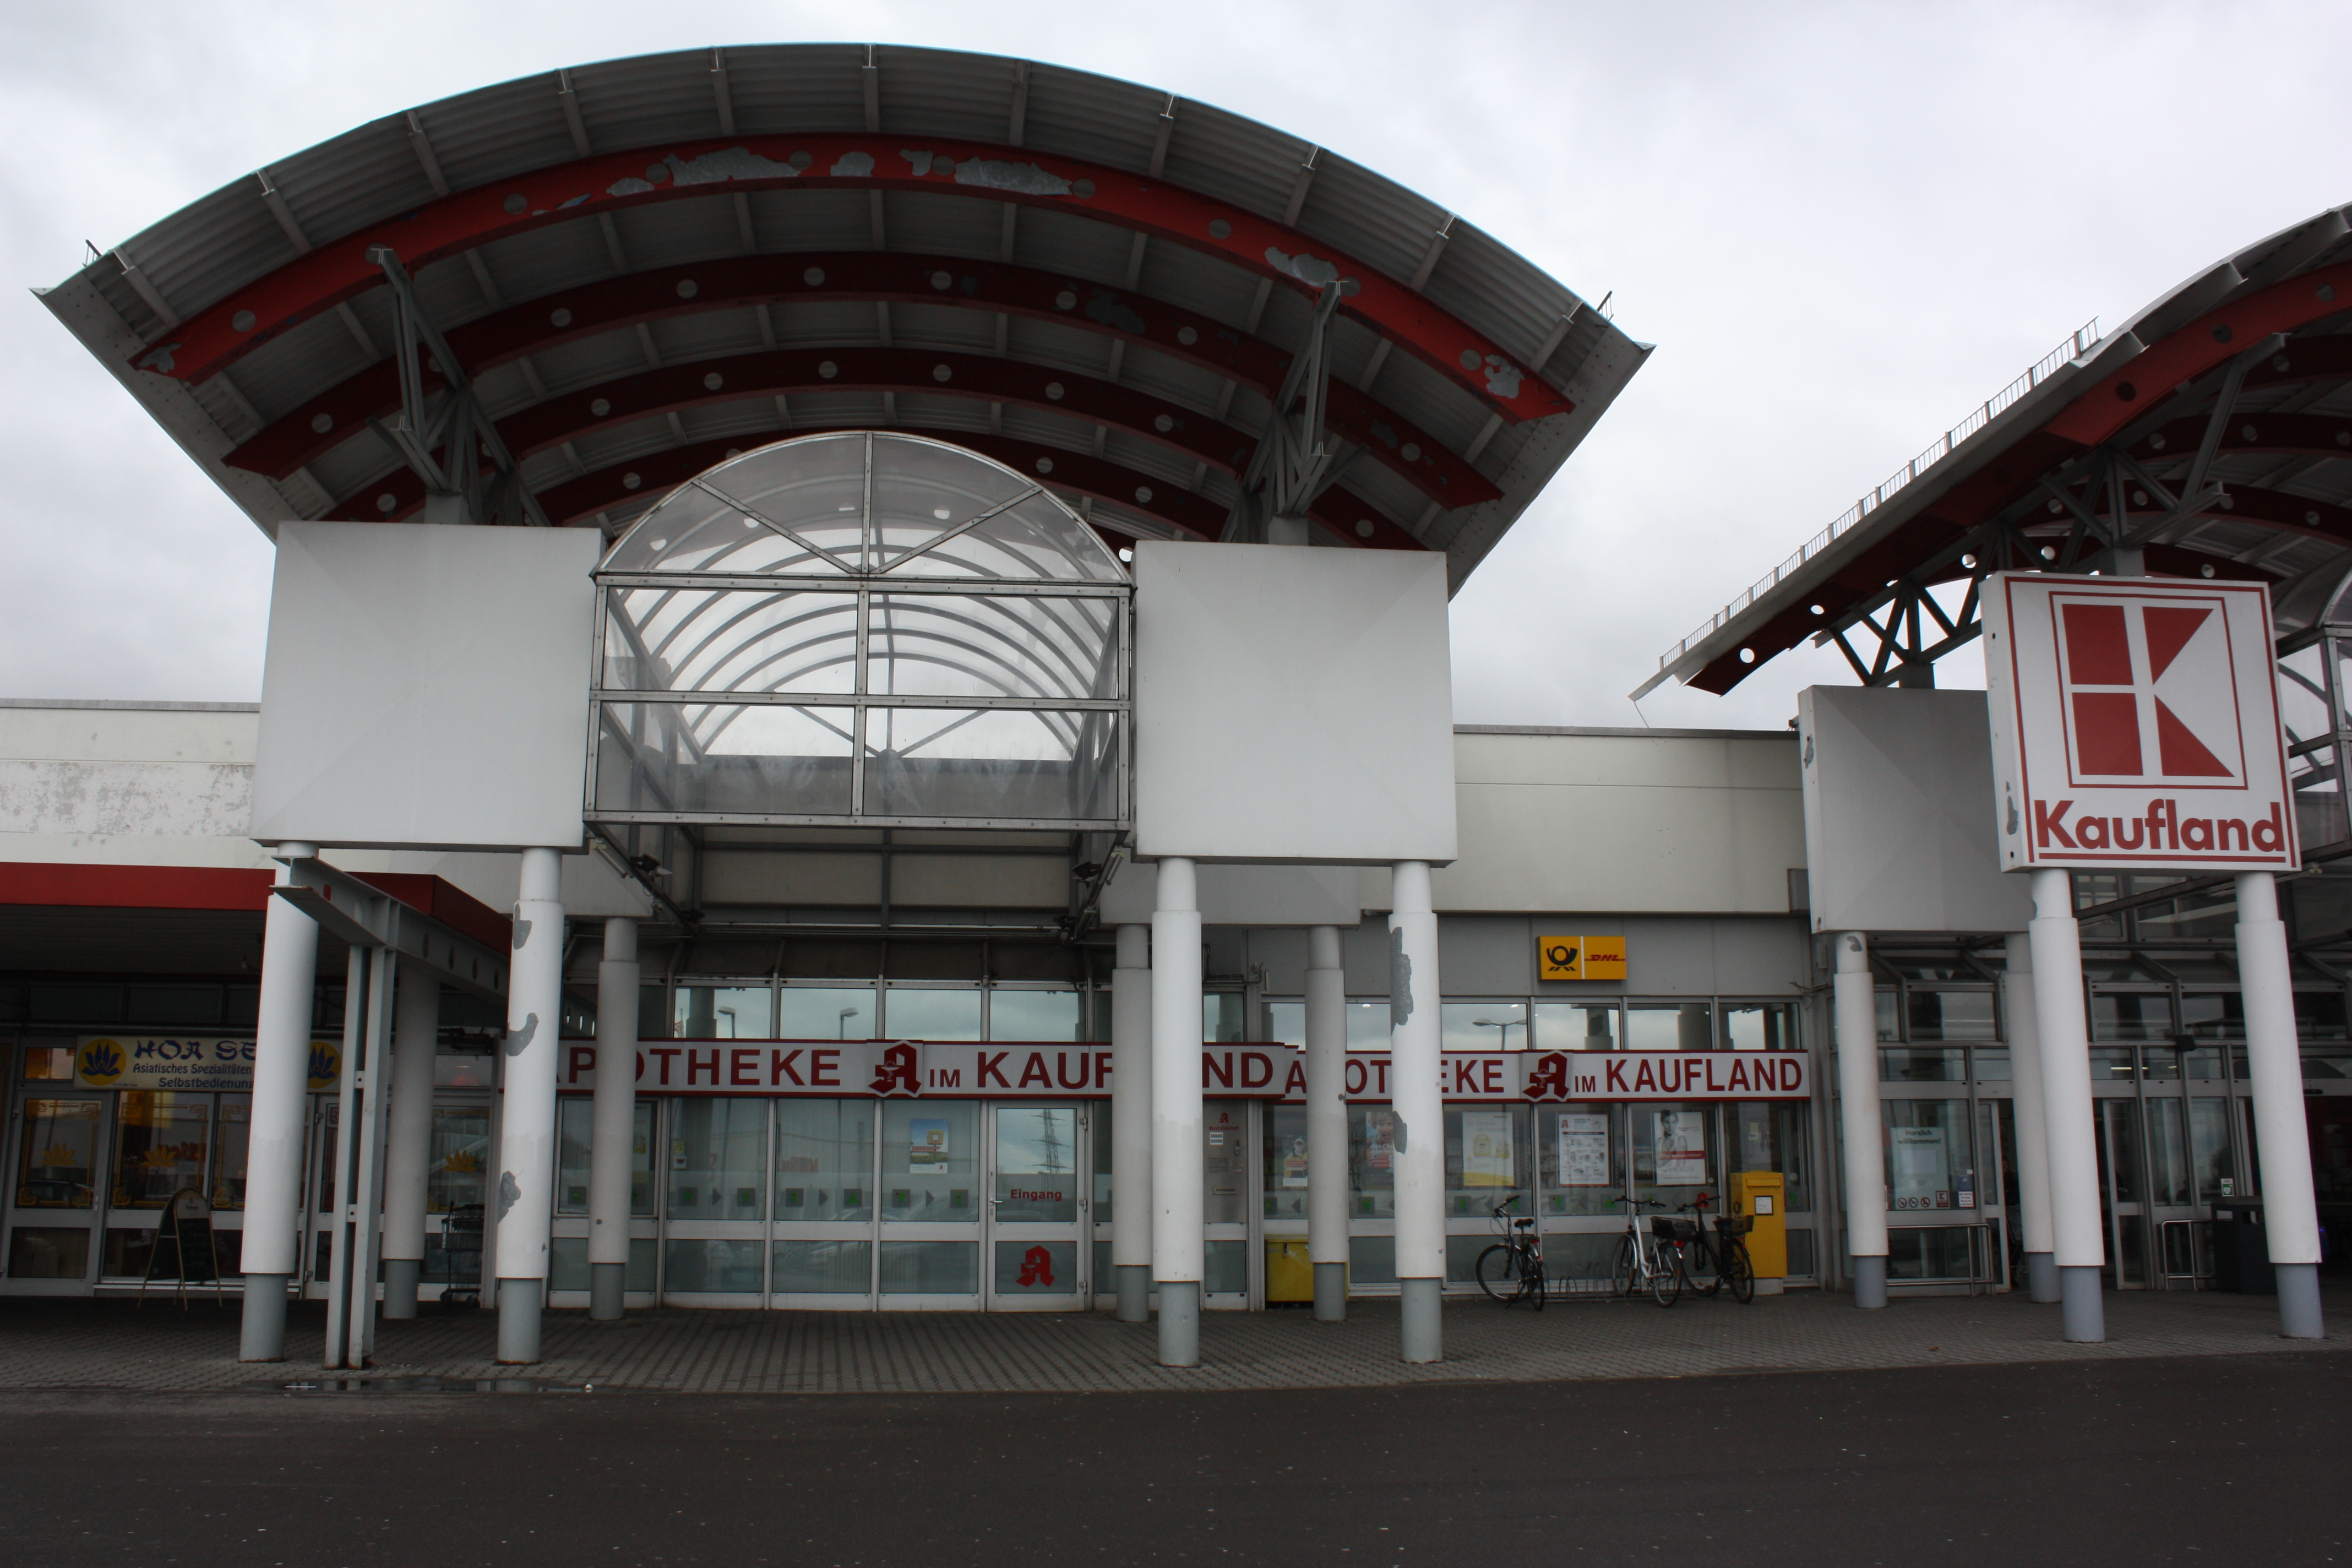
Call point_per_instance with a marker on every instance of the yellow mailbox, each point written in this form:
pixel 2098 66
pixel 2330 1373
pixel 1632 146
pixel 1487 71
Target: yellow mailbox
pixel 1289 1274
pixel 1761 1195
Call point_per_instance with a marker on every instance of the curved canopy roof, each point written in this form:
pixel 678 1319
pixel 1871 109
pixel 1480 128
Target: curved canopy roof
pixel 2212 434
pixel 643 266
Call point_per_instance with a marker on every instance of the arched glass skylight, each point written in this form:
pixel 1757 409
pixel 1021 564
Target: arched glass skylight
pixel 866 627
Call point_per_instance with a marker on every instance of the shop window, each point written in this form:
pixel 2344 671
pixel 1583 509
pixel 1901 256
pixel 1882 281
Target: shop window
pixel 723 1013
pixel 240 1008
pixel 574 1140
pixel 912 1013
pixel 1580 1156
pixel 1575 1026
pixel 1759 1027
pixel 1483 1025
pixel 232 1144
pixel 1020 1015
pixel 1100 1135
pixel 2168 1152
pixel 1926 1152
pixel 1285 1161
pixel 2131 1015
pixel 1285 1022
pixel 714 1267
pixel 717 1159
pixel 160 1140
pixel 1368 1026
pixel 145 1254
pixel 1930 1252
pixel 2319 1014
pixel 57 1167
pixel 1669 1027
pixel 1888 1008
pixel 1675 1156
pixel 183 1004
pixel 2160 1062
pixel 1371 1164
pixel 824 1161
pixel 567 1264
pixel 74 1005
pixel 1487 1160
pixel 1371 1261
pixel 2327 1065
pixel 2202 1062
pixel 1951 1015
pixel 1990 1066
pixel 1800 1254
pixel 1224 1268
pixel 1769 1135
pixel 1915 1066
pixel 1223 1020
pixel 2213 1015
pixel 458 1158
pixel 466 1070
pixel 930 1267
pixel 930 1162
pixel 826 1013
pixel 49 1064
pixel 38 1252
pixel 841 1266
pixel 2114 1063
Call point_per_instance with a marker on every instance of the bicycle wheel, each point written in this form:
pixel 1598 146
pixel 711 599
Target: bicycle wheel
pixel 1740 1274
pixel 1703 1255
pixel 1621 1270
pixel 1666 1278
pixel 1535 1283
pixel 1498 1272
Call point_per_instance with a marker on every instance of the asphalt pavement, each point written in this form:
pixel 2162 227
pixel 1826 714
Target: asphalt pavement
pixel 2192 1460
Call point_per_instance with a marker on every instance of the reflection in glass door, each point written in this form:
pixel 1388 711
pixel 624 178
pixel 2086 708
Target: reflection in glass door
pixel 2122 1195
pixel 1038 1204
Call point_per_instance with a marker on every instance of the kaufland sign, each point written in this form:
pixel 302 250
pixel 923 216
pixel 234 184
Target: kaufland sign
pixel 2135 723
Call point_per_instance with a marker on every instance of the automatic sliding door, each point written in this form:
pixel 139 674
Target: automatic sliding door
pixel 929 1188
pixel 824 1204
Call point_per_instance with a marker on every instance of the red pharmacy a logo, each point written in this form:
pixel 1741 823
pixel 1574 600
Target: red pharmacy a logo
pixel 1037 1267
pixel 2150 693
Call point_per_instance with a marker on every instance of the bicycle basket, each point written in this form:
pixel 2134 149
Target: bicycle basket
pixel 1733 1224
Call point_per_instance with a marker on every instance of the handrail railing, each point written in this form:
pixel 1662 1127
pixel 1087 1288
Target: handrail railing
pixel 2085 338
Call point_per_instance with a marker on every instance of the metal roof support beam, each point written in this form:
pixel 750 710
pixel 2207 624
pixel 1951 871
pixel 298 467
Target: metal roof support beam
pixel 456 427
pixel 598 186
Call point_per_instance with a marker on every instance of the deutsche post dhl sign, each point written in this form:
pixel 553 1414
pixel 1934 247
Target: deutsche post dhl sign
pixel 2135 723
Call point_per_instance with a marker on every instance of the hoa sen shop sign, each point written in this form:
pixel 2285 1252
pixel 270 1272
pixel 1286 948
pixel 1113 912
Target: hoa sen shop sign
pixel 917 1069
pixel 2135 722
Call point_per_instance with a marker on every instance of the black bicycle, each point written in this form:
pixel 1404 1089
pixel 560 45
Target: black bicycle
pixel 1724 1256
pixel 1512 1269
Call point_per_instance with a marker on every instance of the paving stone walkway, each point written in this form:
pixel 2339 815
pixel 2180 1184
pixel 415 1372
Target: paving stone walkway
pixel 108 1344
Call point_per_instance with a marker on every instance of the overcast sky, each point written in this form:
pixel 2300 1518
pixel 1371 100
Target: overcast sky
pixel 1843 226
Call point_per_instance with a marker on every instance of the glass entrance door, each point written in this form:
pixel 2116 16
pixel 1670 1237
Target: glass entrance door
pixel 60 1149
pixel 2123 1192
pixel 1225 1169
pixel 1036 1210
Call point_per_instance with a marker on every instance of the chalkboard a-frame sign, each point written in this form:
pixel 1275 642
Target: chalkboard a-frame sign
pixel 187 1223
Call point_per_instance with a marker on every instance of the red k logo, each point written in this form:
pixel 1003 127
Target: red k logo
pixel 2149 694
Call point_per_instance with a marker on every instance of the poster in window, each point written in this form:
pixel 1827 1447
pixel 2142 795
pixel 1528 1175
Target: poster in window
pixel 1294 1164
pixel 1680 1139
pixel 1919 1174
pixel 1583 1150
pixel 1486 1149
pixel 926 1145
pixel 1380 1140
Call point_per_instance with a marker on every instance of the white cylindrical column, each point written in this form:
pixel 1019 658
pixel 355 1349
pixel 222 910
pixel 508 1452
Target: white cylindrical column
pixel 1856 1001
pixel 1130 1124
pixel 281 1081
pixel 408 1135
pixel 2031 1127
pixel 2274 1060
pixel 1418 1105
pixel 1177 1169
pixel 2077 1235
pixel 1327 1122
pixel 611 1141
pixel 524 1199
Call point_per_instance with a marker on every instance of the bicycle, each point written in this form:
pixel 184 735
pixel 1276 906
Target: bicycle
pixel 1512 1269
pixel 1726 1256
pixel 1645 1258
